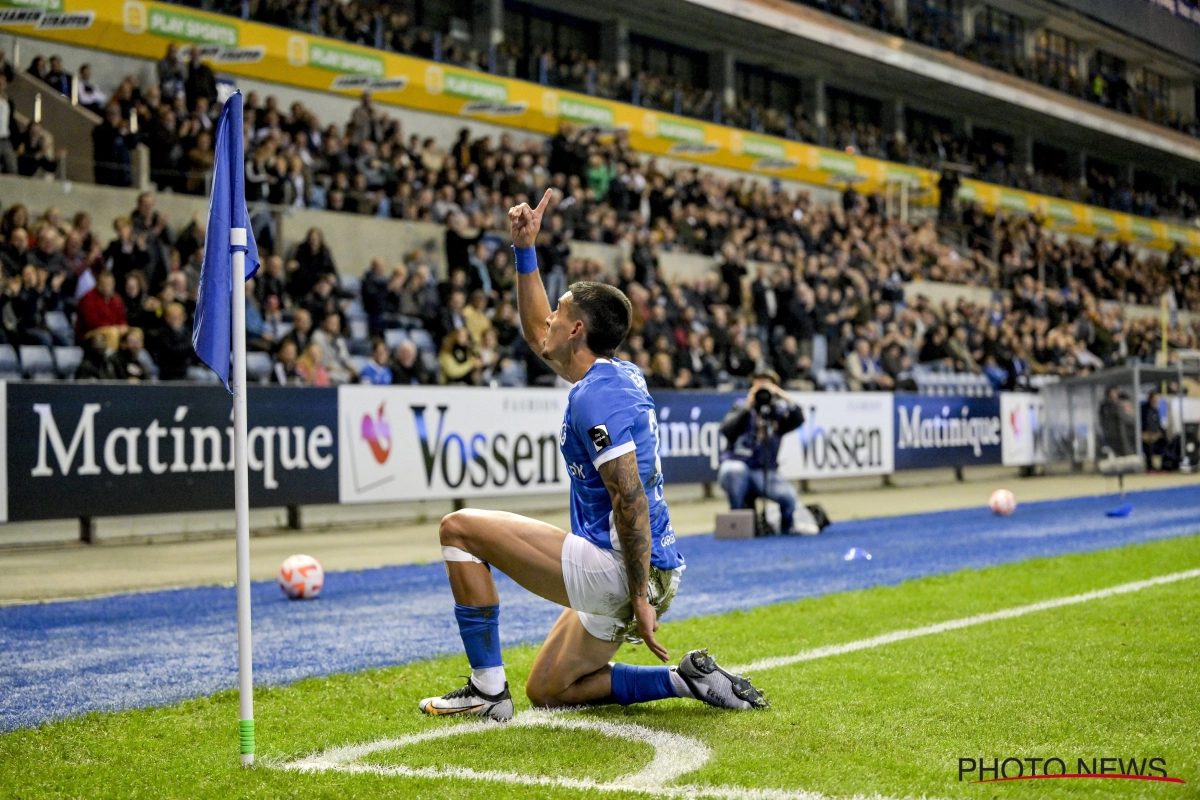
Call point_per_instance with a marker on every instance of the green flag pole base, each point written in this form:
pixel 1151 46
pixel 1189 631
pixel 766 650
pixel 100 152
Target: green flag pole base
pixel 247 731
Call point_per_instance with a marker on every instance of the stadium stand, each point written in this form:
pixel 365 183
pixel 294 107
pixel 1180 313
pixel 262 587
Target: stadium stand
pixel 771 103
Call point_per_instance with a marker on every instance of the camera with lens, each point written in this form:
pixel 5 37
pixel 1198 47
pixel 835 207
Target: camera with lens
pixel 764 404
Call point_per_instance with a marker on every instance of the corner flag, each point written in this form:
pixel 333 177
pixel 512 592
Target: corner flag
pixel 228 231
pixel 219 332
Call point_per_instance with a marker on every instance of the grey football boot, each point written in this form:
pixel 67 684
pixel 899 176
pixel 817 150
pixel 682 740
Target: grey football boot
pixel 713 685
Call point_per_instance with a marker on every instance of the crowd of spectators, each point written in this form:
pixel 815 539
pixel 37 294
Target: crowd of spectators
pixel 797 286
pixel 393 28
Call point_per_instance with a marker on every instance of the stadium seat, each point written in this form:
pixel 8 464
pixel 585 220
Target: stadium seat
pixel 37 361
pixel 58 324
pixel 202 375
pixel 67 360
pixel 408 322
pixel 10 367
pixel 358 328
pixel 831 380
pixel 358 362
pixel 423 340
pixel 355 310
pixel 431 363
pixel 258 367
pixel 284 329
pixel 350 284
pixel 394 337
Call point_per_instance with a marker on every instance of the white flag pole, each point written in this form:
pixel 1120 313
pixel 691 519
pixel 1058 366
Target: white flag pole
pixel 241 498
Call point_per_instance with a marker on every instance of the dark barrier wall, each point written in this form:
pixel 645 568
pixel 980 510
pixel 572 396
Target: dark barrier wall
pixel 78 450
pixel 946 431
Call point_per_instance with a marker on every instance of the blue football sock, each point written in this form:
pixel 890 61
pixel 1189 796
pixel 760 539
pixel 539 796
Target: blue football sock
pixel 632 684
pixel 479 627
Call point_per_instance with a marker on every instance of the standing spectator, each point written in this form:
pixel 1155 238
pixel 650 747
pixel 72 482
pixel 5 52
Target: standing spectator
pixel 34 296
pixel 173 344
pixel 200 161
pixel 166 151
pixel 459 243
pixel 13 255
pixel 407 368
pixel 10 132
pixel 112 148
pixel 102 311
pixel 377 370
pixel 127 252
pixel 6 68
pixel 312 260
pixel 171 74
pixel 201 82
pixel 91 96
pixel 365 122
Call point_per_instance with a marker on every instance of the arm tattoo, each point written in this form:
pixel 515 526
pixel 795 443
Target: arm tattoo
pixel 631 516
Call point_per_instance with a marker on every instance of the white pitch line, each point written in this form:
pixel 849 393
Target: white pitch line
pixel 963 622
pixel 674 754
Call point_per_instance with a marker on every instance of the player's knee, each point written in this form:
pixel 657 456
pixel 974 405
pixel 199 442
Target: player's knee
pixel 541 695
pixel 455 529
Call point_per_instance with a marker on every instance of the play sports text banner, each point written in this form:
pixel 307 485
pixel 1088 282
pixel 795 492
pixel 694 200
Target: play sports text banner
pixel 946 431
pixel 93 449
pixel 416 443
pixel 254 50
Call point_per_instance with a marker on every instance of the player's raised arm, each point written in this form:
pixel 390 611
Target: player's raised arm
pixel 532 304
pixel 631 517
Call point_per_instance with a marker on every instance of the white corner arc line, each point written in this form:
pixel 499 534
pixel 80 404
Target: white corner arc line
pixel 674 755
pixel 963 622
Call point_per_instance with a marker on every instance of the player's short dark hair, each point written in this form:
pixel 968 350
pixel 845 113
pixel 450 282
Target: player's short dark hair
pixel 606 312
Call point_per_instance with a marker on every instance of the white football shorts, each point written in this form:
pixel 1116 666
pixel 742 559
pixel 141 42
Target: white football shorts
pixel 599 591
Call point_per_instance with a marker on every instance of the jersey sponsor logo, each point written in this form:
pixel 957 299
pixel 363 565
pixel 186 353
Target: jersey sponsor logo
pixel 600 437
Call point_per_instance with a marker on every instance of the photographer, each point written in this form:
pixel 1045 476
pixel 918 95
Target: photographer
pixel 753 429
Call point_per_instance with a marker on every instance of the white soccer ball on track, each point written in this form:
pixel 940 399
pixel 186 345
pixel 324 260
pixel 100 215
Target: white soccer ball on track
pixel 301 577
pixel 1002 502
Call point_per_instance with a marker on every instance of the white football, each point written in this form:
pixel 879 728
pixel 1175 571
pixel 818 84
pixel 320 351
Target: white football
pixel 301 577
pixel 1002 502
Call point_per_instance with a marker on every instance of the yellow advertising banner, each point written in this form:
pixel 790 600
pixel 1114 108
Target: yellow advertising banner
pixel 144 29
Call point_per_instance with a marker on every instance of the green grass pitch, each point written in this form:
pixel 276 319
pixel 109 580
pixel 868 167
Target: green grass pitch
pixel 1114 677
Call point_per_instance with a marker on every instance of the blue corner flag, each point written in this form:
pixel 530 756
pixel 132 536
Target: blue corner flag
pixel 212 331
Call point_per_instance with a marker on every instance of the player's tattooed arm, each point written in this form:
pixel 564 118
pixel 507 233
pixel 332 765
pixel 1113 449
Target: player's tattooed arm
pixel 631 517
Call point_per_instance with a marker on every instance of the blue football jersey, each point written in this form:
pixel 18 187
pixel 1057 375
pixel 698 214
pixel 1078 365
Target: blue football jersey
pixel 610 413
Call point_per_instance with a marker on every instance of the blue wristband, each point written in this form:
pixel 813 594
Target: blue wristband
pixel 526 259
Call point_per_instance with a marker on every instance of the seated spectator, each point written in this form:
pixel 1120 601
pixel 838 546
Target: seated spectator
pixel 661 372
pixel 311 366
pixel 258 337
pixel 97 364
pixel 863 370
pixel 271 280
pixel 475 315
pixel 172 344
pixel 335 352
pixel 1156 442
pixel 283 371
pixel 133 362
pixel 13 255
pixel 32 296
pixel 91 96
pixel 321 301
pixel 47 256
pixel 459 362
pixel 407 367
pixel 36 155
pixel 381 295
pixel 302 330
pixel 57 76
pixel 10 131
pixel 102 311
pixel 377 370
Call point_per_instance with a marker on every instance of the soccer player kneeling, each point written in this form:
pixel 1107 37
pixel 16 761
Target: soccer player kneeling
pixel 618 569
